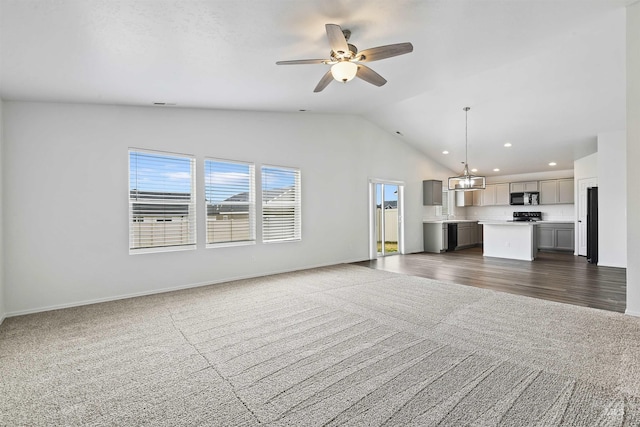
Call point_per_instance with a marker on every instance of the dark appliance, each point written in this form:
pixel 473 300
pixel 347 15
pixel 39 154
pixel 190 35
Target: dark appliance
pixel 592 225
pixel 452 236
pixel 527 216
pixel 527 198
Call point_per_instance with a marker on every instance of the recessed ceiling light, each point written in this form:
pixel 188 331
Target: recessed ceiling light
pixel 552 164
pixel 508 144
pixel 445 152
pixel 496 170
pixel 474 170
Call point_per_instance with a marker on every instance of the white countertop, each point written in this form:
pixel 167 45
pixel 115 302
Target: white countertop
pixel 496 221
pixel 516 223
pixel 507 222
pixel 444 221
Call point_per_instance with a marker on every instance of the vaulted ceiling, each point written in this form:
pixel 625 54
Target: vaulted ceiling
pixel 545 76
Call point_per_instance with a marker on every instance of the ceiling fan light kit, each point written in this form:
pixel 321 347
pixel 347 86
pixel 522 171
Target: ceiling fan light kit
pixel 344 71
pixel 465 181
pixel 346 61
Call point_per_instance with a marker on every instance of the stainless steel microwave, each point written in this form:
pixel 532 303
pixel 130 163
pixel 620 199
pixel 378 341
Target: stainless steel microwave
pixel 527 198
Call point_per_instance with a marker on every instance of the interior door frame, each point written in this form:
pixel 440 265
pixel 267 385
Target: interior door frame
pixel 373 249
pixel 581 220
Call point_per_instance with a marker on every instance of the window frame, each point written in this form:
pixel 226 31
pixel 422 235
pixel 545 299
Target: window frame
pixel 191 205
pixel 296 204
pixel 445 208
pixel 252 204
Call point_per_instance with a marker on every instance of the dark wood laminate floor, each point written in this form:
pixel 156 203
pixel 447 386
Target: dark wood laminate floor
pixel 552 276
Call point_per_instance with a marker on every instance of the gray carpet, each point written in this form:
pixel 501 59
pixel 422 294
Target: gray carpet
pixel 342 345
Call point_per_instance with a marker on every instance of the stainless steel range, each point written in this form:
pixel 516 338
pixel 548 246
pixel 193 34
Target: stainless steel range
pixel 527 216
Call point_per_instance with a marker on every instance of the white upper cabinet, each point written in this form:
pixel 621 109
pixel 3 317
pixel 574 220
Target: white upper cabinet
pixel 478 197
pixel 489 196
pixel 521 187
pixel 565 191
pixel 556 191
pixel 502 194
pixel 492 195
pixel 549 192
pixel 464 198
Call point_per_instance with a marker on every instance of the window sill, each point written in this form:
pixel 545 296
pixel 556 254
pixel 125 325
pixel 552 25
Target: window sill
pixel 230 244
pixel 162 249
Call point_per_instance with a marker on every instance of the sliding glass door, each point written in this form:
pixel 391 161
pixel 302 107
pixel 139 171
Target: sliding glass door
pixel 386 219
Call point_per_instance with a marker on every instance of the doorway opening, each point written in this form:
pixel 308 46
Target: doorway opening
pixel 386 219
pixel 581 235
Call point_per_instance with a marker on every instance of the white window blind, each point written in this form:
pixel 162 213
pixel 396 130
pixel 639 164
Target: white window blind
pixel 230 194
pixel 445 203
pixel 281 204
pixel 161 201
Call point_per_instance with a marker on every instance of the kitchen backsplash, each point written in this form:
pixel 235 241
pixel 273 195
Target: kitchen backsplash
pixel 500 213
pixel 549 212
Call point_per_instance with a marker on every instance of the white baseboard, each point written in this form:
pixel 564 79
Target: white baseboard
pixel 632 313
pixel 163 290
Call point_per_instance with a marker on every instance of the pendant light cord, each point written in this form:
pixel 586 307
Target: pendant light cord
pixel 466 139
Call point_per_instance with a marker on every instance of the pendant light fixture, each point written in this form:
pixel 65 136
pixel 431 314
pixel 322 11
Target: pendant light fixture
pixel 465 181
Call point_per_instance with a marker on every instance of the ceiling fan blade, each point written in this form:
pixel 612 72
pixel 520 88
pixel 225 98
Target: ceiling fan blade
pixel 302 61
pixel 382 52
pixel 370 76
pixel 336 39
pixel 324 81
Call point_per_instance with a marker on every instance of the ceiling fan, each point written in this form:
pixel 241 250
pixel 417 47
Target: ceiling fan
pixel 346 61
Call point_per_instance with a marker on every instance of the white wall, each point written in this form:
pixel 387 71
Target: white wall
pixel 586 167
pixel 612 199
pixel 66 210
pixel 2 305
pixel 633 158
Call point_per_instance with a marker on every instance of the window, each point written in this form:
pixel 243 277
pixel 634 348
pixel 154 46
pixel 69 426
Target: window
pixel 445 203
pixel 161 201
pixel 281 207
pixel 230 195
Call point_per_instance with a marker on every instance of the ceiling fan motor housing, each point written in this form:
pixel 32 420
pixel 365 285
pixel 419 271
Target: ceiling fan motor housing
pixel 341 56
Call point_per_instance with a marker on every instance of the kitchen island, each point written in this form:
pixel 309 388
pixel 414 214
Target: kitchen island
pixel 509 239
